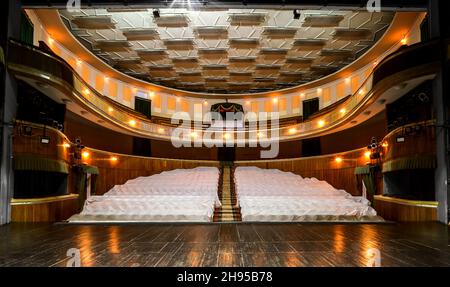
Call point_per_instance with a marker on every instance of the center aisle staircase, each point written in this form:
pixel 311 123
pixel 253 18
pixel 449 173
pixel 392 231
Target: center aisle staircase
pixel 229 211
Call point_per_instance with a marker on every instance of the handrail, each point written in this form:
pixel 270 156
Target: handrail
pixel 53 69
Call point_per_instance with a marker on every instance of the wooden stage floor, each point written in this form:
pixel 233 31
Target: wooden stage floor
pixel 226 244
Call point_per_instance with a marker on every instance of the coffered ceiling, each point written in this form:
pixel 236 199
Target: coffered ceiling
pixel 228 50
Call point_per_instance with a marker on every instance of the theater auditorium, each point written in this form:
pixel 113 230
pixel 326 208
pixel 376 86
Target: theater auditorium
pixel 220 133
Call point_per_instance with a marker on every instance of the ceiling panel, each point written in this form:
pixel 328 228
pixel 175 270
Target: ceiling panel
pixel 231 50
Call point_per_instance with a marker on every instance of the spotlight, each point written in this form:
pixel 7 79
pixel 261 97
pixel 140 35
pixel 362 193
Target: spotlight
pixel 296 14
pixel 338 159
pixel 156 13
pixel 113 158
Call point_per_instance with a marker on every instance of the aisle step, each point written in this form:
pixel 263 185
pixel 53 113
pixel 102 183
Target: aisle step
pixel 230 210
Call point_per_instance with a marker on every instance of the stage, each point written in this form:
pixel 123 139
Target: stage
pixel 226 244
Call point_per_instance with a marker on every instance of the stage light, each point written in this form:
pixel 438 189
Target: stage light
pixel 292 131
pixel 193 134
pixel 321 123
pixel 86 91
pixel 205 102
pixel 79 62
pixel 110 110
pixel 296 14
pixel 106 79
pixel 338 159
pixel 66 145
pixel 384 144
pixel 302 95
pixel 260 134
pixel 178 100
pixel 342 111
pixel 347 80
pixel 361 92
pixel 156 13
pixel 367 154
pixel 319 91
pixel 113 158
pixel 161 130
pixel 275 100
pixel 247 103
pixel 85 154
pixel 226 136
pixel 50 41
pixel 132 123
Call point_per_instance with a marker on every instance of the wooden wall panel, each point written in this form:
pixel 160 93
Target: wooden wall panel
pixel 420 143
pixel 58 209
pixel 341 175
pixel 31 144
pixel 128 167
pixel 405 210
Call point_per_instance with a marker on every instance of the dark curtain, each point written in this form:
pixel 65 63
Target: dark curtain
pixel 143 106
pixel 26 29
pixel 35 184
pixel 310 107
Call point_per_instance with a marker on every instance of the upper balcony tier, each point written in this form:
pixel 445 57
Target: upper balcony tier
pixel 395 75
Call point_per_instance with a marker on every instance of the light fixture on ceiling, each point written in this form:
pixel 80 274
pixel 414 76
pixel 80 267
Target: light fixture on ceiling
pixel 156 13
pixel 296 14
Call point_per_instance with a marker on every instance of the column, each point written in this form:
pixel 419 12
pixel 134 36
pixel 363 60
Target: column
pixel 439 29
pixel 10 27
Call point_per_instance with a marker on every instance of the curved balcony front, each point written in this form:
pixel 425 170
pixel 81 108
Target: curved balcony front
pixel 391 78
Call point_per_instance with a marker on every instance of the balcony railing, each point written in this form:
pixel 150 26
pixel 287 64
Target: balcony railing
pixel 406 63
